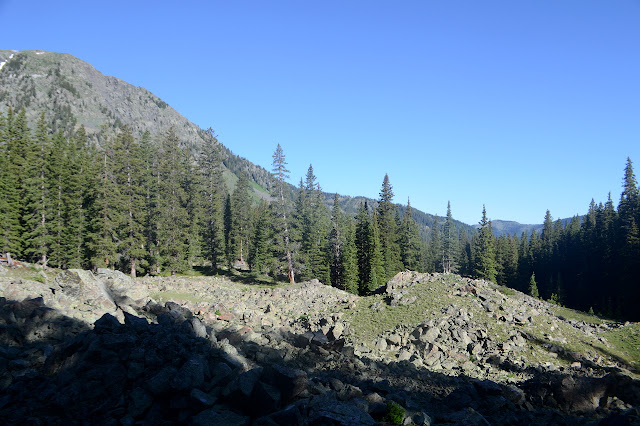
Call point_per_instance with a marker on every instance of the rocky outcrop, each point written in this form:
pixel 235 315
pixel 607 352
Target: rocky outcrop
pixel 80 294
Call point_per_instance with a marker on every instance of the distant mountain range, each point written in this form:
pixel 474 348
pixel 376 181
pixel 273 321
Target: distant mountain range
pixel 71 92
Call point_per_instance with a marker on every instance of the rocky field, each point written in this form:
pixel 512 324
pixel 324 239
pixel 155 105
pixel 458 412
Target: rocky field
pixel 83 347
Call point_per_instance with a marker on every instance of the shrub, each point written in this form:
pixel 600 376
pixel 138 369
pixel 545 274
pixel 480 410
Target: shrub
pixel 395 413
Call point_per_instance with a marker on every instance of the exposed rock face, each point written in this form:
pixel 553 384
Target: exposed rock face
pixel 80 294
pixel 273 356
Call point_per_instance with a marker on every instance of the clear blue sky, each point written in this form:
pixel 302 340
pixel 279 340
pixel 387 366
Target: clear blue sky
pixel 521 105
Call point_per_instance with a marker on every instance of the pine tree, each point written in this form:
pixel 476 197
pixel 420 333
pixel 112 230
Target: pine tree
pixel 103 212
pixel 150 187
pixel 194 205
pixel 59 178
pixel 629 218
pixel 11 162
pixel 128 172
pixel 280 173
pixel 409 241
pixel 485 256
pixel 387 211
pixel 215 197
pixel 336 245
pixel 435 245
pixel 11 229
pixel 449 244
pixel 260 253
pixel 369 255
pixel 36 194
pixel 533 287
pixel 315 228
pixel 172 217
pixel 75 199
pixel 349 261
pixel 239 235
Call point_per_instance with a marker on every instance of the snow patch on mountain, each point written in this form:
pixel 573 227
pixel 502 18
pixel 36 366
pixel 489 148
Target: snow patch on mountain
pixel 2 63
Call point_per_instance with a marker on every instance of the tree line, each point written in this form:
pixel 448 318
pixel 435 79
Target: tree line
pixel 155 207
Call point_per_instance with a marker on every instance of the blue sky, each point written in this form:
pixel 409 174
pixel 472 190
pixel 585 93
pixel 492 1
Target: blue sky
pixel 522 105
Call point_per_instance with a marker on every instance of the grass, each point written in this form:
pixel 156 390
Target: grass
pixel 624 342
pixel 366 323
pixel 572 314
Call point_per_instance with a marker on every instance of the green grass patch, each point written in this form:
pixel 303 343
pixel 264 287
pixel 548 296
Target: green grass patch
pixel 624 344
pixel 575 315
pixel 506 290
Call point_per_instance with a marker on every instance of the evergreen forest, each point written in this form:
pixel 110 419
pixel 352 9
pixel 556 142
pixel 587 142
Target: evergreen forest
pixel 152 206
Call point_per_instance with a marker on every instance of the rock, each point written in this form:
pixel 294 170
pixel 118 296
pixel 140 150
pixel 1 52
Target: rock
pixel 140 401
pixel 161 381
pixel 265 399
pixel 468 417
pixel 432 334
pixel 213 417
pixel 325 411
pixel 336 331
pixel 582 394
pixel 106 323
pixel 196 328
pixel 190 375
pixel 290 382
pixel 239 390
pixel 404 355
pixel 421 419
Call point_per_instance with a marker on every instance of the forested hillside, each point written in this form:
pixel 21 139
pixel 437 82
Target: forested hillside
pixel 82 190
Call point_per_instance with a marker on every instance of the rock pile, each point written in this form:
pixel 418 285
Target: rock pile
pixel 265 364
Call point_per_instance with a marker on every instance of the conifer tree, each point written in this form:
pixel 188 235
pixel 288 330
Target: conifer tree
pixel 128 173
pixel 485 257
pixel 103 212
pixel 388 229
pixel 194 206
pixel 336 245
pixel 172 217
pixel 150 186
pixel 464 254
pixel 533 287
pixel 449 244
pixel 261 248
pixel 58 166
pixel 409 240
pixel 75 199
pixel 314 231
pixel 435 255
pixel 349 261
pixel 36 193
pixel 11 229
pixel 367 242
pixel 280 173
pixel 239 236
pixel 215 198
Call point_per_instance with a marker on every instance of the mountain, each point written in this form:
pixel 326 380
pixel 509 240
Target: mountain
pixel 509 227
pixel 72 93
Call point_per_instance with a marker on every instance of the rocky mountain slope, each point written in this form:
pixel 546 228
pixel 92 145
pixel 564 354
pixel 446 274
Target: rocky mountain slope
pixel 72 92
pixel 426 349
